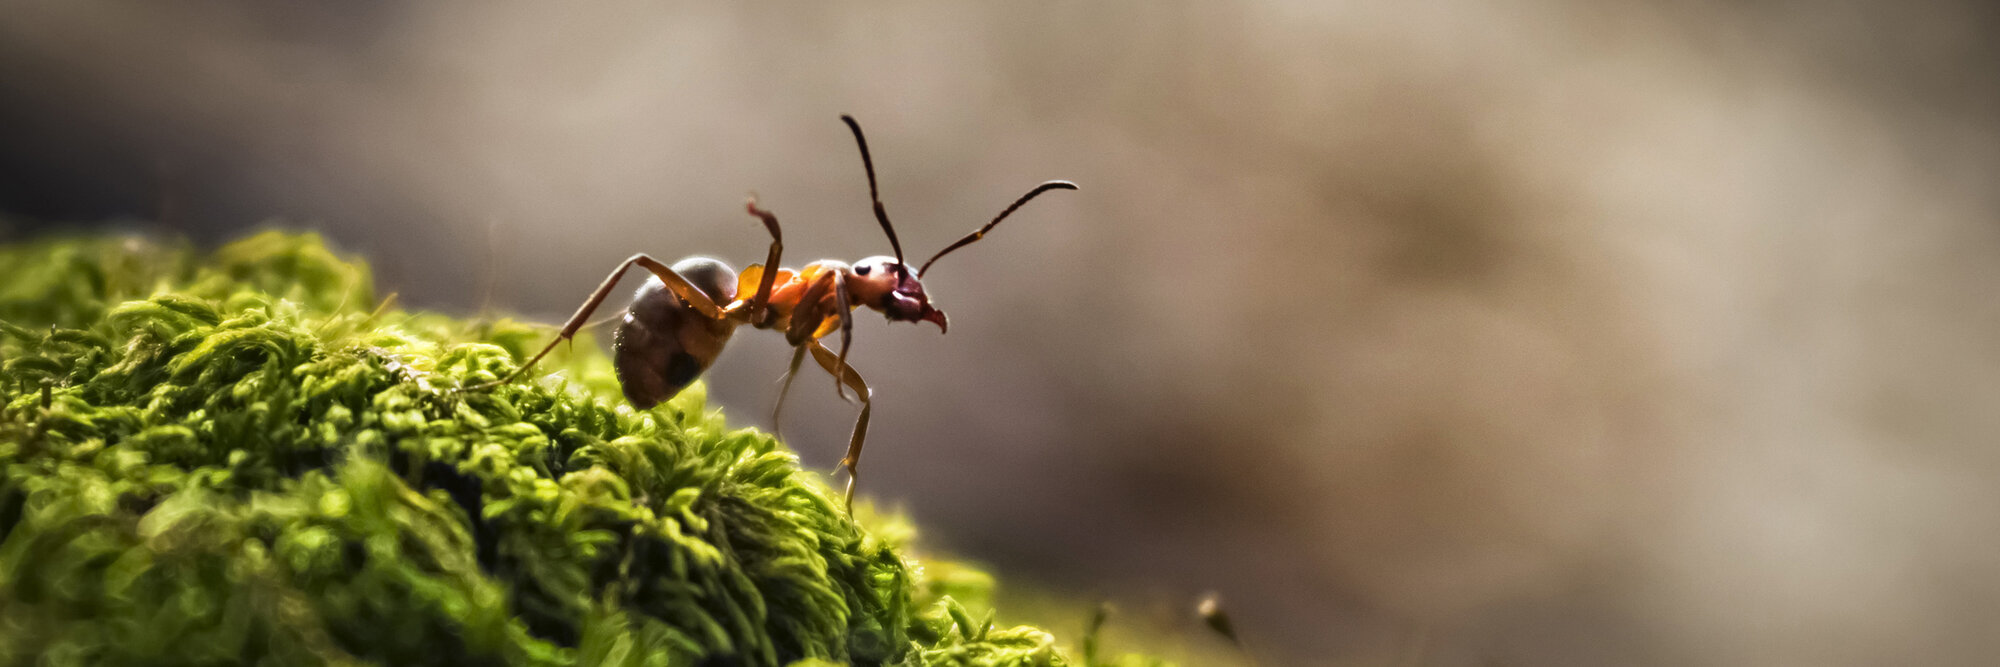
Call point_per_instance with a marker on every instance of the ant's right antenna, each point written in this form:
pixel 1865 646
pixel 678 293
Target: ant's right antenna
pixel 875 195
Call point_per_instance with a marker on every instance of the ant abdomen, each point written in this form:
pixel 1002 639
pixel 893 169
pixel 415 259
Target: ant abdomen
pixel 663 344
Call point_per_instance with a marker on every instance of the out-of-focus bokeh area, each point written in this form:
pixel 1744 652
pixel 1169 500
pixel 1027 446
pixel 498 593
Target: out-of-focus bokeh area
pixel 1550 332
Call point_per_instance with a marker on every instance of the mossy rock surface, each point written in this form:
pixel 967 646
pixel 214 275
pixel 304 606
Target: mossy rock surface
pixel 248 457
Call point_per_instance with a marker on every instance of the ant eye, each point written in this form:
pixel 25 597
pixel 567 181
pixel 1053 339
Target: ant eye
pixel 862 270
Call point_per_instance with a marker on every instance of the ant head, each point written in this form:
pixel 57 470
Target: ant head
pixel 885 284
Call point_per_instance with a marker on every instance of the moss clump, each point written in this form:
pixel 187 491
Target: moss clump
pixel 248 459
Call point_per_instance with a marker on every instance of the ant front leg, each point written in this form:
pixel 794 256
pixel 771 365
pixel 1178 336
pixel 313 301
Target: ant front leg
pixel 852 379
pixel 756 310
pixel 674 283
pixel 846 314
pixel 810 318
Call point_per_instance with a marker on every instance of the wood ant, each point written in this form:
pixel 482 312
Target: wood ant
pixel 679 321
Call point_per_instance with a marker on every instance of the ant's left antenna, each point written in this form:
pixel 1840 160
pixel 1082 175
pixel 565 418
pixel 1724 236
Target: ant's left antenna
pixel 875 195
pixel 969 238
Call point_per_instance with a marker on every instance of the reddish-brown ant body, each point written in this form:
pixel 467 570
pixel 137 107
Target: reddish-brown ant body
pixel 680 320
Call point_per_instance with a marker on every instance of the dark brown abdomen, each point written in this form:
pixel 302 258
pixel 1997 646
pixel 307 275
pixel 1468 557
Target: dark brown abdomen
pixel 663 345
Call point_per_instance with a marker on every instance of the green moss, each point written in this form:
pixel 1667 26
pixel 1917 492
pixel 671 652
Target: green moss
pixel 248 458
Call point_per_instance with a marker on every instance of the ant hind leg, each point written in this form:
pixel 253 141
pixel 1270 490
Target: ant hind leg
pixel 673 281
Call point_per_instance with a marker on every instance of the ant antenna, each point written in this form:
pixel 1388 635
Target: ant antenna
pixel 874 195
pixel 969 238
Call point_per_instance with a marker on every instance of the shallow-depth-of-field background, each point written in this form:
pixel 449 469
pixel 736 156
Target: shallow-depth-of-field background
pixel 1452 332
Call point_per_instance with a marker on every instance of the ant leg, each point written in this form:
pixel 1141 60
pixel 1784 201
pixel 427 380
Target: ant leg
pixel 674 282
pixel 756 309
pixel 845 312
pixel 777 413
pixel 810 318
pixel 848 376
pixel 811 313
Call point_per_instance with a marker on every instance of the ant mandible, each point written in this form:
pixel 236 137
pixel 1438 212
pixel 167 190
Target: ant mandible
pixel 681 318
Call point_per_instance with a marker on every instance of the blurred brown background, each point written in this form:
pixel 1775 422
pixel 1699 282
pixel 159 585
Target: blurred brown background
pixel 1551 332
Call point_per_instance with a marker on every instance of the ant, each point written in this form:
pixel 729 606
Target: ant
pixel 679 321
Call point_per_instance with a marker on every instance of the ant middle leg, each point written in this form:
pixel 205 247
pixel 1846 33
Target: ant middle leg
pixel 848 376
pixel 778 411
pixel 673 281
pixel 846 314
